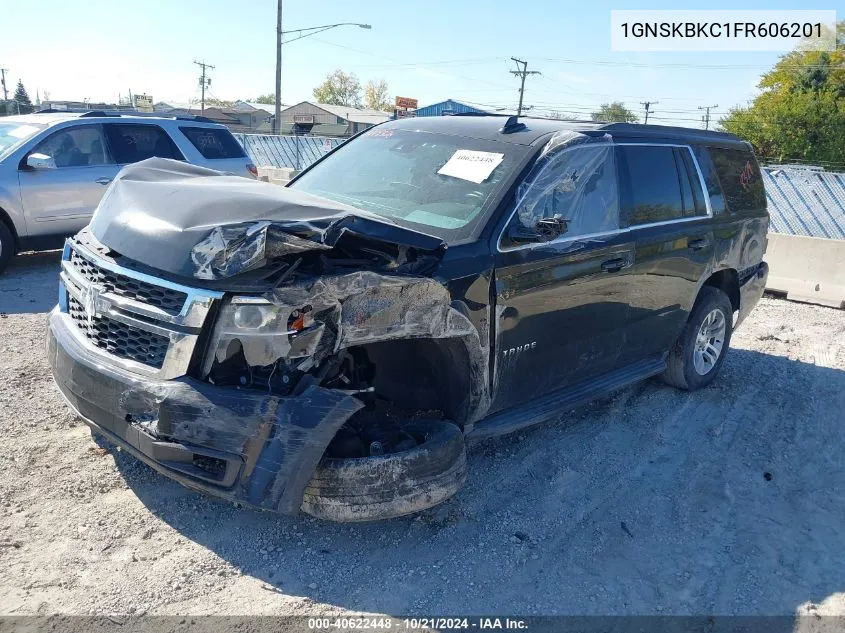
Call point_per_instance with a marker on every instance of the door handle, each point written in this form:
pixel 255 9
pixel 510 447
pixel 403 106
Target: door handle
pixel 698 244
pixel 103 181
pixel 614 265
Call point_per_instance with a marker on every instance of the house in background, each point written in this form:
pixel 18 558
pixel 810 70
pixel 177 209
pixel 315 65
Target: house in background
pixel 321 119
pixel 238 119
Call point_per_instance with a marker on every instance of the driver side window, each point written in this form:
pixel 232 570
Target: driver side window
pixel 80 146
pixel 577 185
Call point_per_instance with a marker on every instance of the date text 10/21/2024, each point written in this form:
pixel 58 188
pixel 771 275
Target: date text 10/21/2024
pixel 421 623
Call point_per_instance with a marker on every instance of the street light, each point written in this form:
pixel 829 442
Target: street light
pixel 319 29
pixel 313 30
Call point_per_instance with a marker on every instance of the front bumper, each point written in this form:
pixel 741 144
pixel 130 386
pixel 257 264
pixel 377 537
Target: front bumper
pixel 750 291
pixel 238 444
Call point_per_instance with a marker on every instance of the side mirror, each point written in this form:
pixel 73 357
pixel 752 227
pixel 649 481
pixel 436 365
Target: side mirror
pixel 40 161
pixel 545 230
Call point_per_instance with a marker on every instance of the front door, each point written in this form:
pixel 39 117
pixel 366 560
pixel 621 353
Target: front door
pixel 561 305
pixel 61 200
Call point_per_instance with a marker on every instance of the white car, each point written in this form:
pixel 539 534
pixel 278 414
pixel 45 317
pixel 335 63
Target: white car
pixel 55 167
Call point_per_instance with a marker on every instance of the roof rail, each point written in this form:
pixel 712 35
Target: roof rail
pixel 128 113
pixel 93 113
pixel 194 117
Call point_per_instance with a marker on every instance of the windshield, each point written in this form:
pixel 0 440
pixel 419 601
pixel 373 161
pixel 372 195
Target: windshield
pixel 13 134
pixel 434 183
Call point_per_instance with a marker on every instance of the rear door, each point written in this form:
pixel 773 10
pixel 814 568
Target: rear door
pixel 561 305
pixel 668 218
pixel 62 200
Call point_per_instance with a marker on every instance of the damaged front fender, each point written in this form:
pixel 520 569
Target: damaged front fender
pixel 356 309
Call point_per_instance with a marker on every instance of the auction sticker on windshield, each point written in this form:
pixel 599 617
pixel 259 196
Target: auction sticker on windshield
pixel 471 165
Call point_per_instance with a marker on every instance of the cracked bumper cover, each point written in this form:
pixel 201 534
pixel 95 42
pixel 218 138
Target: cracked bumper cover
pixel 241 445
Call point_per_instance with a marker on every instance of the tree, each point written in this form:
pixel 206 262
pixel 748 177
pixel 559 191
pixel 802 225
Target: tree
pixel 615 112
pixel 375 96
pixel 800 114
pixel 268 99
pixel 339 89
pixel 22 98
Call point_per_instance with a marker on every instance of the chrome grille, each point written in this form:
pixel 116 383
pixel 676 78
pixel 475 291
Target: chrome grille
pixel 148 325
pixel 118 338
pixel 171 301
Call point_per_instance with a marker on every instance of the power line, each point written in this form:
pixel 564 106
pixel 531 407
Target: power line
pixel 522 74
pixel 501 87
pixel 600 62
pixel 647 105
pixel 597 62
pixel 203 82
pixel 706 117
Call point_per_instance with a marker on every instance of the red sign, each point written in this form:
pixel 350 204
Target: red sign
pixel 406 102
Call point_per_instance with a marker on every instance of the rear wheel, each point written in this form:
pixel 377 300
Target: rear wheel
pixel 700 350
pixel 7 245
pixel 391 485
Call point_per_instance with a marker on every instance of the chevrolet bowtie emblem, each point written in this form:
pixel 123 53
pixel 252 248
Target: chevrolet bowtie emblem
pixel 91 301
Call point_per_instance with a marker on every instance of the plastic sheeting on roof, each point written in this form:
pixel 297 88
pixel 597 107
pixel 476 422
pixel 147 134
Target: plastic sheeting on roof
pixel 806 202
pixel 296 152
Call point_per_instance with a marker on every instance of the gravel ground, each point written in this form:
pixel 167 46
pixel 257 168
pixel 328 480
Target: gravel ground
pixel 724 501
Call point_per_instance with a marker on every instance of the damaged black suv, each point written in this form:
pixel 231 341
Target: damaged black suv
pixel 332 346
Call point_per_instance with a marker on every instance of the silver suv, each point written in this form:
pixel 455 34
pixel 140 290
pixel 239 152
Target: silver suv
pixel 55 167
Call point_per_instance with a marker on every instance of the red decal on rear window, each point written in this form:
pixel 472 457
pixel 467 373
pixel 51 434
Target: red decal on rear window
pixel 747 175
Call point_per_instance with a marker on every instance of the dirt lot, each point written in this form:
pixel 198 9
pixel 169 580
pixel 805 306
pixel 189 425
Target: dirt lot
pixel 728 500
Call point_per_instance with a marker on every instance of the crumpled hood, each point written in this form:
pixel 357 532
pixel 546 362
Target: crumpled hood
pixel 196 222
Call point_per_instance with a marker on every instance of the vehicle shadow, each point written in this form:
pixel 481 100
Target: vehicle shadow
pixel 728 500
pixel 31 283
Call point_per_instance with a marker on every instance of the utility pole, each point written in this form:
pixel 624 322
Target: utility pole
pixel 706 117
pixel 3 72
pixel 278 111
pixel 647 105
pixel 203 82
pixel 522 74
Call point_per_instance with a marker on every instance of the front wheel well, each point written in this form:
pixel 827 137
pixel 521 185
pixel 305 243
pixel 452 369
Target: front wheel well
pixel 726 280
pixel 5 219
pixel 422 374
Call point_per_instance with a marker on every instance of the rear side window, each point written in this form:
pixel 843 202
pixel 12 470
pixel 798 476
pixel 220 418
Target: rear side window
pixel 130 143
pixel 740 177
pixel 214 142
pixel 694 203
pixel 711 181
pixel 650 185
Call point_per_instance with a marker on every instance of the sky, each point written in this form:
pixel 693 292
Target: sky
pixel 430 51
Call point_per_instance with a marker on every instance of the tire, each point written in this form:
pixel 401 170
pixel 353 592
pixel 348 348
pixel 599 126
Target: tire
pixel 393 485
pixel 681 370
pixel 7 246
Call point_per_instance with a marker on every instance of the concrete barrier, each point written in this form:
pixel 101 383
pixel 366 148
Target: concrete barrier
pixel 808 269
pixel 276 175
